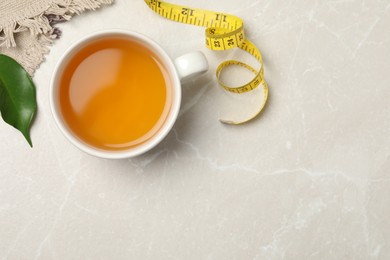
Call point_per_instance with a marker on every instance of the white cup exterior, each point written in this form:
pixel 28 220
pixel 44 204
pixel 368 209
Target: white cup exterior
pixel 175 89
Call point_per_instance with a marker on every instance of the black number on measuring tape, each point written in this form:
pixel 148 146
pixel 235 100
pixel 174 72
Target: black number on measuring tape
pixel 223 17
pixel 230 42
pixel 186 11
pixel 155 2
pixel 217 44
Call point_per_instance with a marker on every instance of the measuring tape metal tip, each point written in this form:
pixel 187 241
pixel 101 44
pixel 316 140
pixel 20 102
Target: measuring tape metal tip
pixel 228 122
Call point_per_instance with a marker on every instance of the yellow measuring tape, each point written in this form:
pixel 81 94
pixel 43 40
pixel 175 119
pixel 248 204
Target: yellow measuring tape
pixel 223 32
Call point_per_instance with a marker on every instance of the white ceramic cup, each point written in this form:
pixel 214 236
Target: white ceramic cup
pixel 185 66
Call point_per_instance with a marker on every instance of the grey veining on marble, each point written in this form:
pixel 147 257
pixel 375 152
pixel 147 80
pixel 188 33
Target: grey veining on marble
pixel 309 179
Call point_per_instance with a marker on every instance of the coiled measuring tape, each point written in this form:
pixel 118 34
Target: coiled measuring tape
pixel 223 32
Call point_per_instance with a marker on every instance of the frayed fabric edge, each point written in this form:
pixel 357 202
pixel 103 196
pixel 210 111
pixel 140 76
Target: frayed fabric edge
pixel 42 30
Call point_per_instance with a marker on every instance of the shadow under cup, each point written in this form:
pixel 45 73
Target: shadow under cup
pixel 115 94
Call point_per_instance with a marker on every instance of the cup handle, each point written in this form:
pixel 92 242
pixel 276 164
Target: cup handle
pixel 191 65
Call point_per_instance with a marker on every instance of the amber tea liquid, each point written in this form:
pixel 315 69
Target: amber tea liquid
pixel 114 94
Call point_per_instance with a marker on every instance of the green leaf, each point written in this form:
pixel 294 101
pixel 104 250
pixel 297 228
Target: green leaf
pixel 17 96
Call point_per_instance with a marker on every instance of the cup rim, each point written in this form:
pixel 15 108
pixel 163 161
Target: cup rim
pixel 140 148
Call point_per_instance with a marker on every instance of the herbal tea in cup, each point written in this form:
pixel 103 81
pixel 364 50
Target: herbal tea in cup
pixel 116 94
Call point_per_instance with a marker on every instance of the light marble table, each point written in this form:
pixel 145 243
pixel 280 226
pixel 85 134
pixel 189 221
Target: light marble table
pixel 309 179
